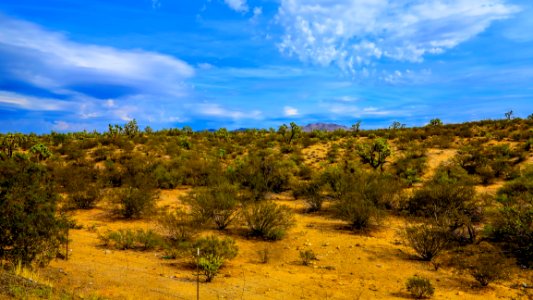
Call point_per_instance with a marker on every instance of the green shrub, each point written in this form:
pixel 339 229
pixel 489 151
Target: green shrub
pixel 512 226
pixel 267 220
pixel 210 266
pixel 213 254
pixel 450 205
pixel 218 204
pixel 85 199
pixel 358 212
pixel 212 245
pixel 420 287
pixel 135 202
pixel 125 239
pixel 311 193
pixel 411 166
pixel 30 228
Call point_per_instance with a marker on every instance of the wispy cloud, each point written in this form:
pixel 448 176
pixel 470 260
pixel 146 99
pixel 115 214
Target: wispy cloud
pixel 216 110
pixel 354 33
pixel 237 5
pixel 30 103
pixel 50 60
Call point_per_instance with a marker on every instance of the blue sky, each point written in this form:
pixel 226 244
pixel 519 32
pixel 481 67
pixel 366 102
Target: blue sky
pixel 69 65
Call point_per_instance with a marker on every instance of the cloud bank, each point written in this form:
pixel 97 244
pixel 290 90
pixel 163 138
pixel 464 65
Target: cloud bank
pixel 355 33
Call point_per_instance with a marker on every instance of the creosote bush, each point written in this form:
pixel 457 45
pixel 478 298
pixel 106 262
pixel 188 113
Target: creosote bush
pixel 512 226
pixel 135 202
pixel 486 264
pixel 125 239
pixel 213 254
pixel 268 220
pixel 178 226
pixel 420 287
pixel 217 204
pixel 427 241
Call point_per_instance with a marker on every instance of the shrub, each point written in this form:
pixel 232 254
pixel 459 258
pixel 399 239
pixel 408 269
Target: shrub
pixel 410 166
pixel 218 204
pixel 264 172
pixel 213 254
pixel 135 202
pixel 125 239
pixel 488 268
pixel 311 192
pixel 85 199
pixel 212 245
pixel 267 220
pixel 356 211
pixel 427 241
pixel 420 287
pixel 513 224
pixel 449 204
pixel 307 256
pixel 210 266
pixel 30 228
pixel 178 226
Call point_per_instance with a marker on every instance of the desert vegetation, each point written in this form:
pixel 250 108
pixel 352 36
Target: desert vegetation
pixel 219 201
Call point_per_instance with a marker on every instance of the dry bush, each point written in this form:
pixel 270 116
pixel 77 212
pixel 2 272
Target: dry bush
pixel 427 241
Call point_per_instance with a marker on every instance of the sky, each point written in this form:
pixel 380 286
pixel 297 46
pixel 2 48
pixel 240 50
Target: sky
pixel 72 65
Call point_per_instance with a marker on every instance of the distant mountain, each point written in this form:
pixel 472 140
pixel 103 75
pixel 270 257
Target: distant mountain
pixel 323 127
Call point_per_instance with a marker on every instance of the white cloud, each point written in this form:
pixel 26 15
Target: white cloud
pixel 354 33
pixel 237 5
pixel 258 11
pixel 33 103
pixel 50 60
pixel 290 111
pixel 343 109
pixel 215 110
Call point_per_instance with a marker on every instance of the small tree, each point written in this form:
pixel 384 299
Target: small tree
pixel 435 122
pixel 375 153
pixel 40 152
pixel 509 115
pixel 296 131
pixel 356 127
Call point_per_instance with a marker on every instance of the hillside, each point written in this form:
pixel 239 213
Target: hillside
pixel 348 198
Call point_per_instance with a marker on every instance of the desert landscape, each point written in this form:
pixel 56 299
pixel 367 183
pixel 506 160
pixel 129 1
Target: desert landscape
pixel 266 149
pixel 320 253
